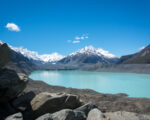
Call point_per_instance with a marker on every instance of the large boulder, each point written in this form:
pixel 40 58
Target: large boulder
pixel 49 103
pixel 86 108
pixel 11 84
pixel 17 116
pixel 65 114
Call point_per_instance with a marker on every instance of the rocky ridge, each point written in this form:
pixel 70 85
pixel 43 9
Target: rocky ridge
pixel 141 57
pixel 15 61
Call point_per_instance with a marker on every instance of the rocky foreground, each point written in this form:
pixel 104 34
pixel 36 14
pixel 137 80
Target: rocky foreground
pixel 25 99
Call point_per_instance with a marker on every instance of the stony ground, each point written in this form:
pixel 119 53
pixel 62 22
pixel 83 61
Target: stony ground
pixel 105 102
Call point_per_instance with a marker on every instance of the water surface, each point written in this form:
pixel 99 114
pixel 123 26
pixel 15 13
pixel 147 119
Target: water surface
pixel 135 85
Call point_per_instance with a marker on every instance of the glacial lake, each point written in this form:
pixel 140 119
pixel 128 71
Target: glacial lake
pixel 135 85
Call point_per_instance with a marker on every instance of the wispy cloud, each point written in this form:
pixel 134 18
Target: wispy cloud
pixel 12 27
pixel 141 48
pixel 76 41
pixel 82 37
pixel 77 38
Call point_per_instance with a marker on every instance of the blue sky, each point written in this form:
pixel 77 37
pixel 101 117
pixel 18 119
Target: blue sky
pixel 119 26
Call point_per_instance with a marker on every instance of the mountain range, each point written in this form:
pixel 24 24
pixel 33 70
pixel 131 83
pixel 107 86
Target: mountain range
pixel 24 60
pixel 34 56
pixel 89 55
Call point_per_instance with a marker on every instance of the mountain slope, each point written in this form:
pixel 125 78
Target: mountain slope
pixel 4 54
pixel 142 57
pixel 16 61
pixel 89 55
pixel 34 56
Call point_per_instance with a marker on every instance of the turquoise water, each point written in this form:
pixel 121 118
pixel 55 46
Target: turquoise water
pixel 135 85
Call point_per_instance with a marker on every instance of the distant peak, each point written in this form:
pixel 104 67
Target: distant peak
pixel 51 57
pixel 89 47
pixel 96 51
pixel 35 56
pixel 1 42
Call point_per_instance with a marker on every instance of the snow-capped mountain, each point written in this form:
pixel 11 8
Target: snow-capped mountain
pixel 32 55
pixel 1 42
pixel 51 57
pixel 89 55
pixel 95 51
pixel 14 60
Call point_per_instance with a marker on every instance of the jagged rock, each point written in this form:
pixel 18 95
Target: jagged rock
pixel 50 103
pixel 95 114
pixel 22 102
pixel 11 84
pixel 123 115
pixel 65 114
pixel 4 54
pixel 86 108
pixel 17 116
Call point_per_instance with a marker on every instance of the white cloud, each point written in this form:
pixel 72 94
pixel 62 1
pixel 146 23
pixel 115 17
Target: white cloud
pixel 77 38
pixel 76 41
pixel 82 37
pixel 12 27
pixel 141 48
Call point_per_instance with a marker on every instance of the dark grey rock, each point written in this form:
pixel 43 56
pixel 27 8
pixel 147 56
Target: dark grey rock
pixel 68 114
pixel 11 84
pixel 86 108
pixel 6 110
pixel 22 102
pixel 17 116
pixel 65 114
pixel 4 54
